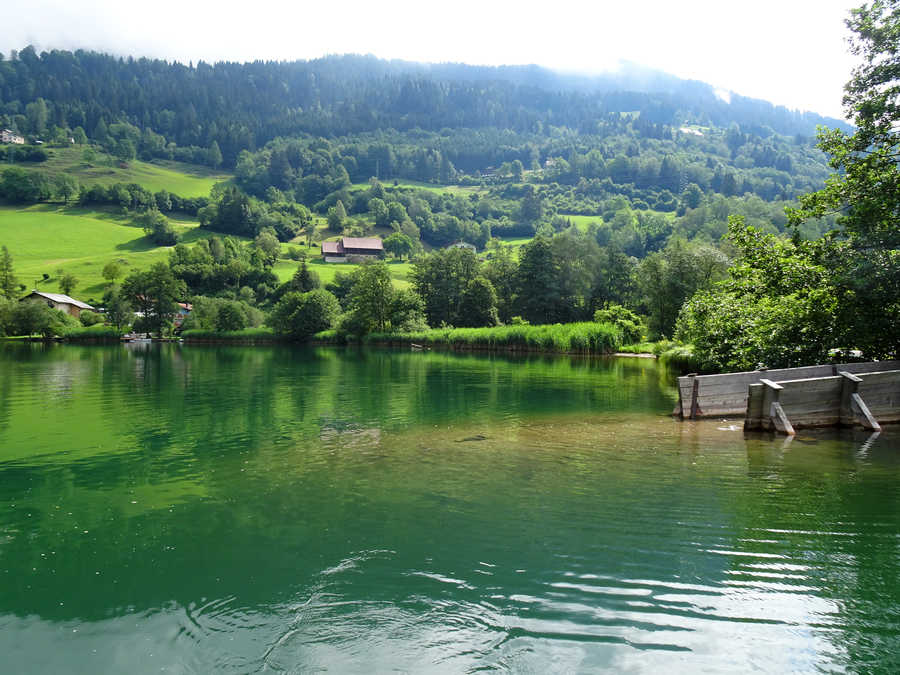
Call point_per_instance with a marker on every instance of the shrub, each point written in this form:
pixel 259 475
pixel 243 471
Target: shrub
pixel 627 321
pixel 230 317
pixel 300 315
pixel 89 318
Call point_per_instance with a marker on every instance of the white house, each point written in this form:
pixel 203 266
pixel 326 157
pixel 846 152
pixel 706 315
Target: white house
pixel 64 303
pixel 463 244
pixel 9 136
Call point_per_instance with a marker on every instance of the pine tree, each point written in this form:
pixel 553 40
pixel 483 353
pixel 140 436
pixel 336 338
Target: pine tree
pixel 8 280
pixel 215 155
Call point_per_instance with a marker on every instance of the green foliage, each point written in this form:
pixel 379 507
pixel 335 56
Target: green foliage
pixel 581 337
pixel 863 254
pixel 216 266
pixel 6 310
pixel 65 186
pixel 249 335
pixel 230 318
pixel 680 358
pixel 154 293
pixel 34 317
pixel 776 310
pixel 442 279
pixel 337 214
pixel 478 306
pixel 370 299
pixel 20 186
pixel 300 315
pixel 89 318
pixel 304 279
pixel 221 314
pixel 624 319
pixel 537 287
pixel 8 281
pixel 66 281
pixel 398 244
pixel 118 310
pixel 669 277
pixel 112 271
pixel 95 333
pixel 157 227
pixel 267 243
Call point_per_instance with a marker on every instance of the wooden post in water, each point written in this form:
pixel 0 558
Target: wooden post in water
pixel 777 416
pixel 853 408
pixel 753 418
pixel 695 392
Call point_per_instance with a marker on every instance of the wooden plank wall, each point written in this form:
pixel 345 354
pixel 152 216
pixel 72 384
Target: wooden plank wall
pixel 881 392
pixel 810 402
pixel 726 394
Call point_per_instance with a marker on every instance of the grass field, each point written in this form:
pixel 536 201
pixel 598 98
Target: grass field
pixel 431 187
pixel 44 238
pixel 284 269
pixel 184 180
pixel 47 237
pixel 581 222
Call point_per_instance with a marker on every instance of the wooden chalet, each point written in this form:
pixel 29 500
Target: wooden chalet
pixel 64 303
pixel 348 249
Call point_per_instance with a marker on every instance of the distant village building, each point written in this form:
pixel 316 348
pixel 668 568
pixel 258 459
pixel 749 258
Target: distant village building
pixel 184 311
pixel 64 303
pixel 9 136
pixel 352 249
pixel 463 244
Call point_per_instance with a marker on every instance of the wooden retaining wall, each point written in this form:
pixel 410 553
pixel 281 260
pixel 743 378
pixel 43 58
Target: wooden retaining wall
pixel 881 392
pixel 726 395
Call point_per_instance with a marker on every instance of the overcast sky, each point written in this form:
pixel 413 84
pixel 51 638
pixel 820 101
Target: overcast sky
pixel 790 52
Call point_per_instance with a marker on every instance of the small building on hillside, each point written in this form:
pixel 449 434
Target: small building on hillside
pixel 463 244
pixel 9 136
pixel 63 303
pixel 184 311
pixel 352 249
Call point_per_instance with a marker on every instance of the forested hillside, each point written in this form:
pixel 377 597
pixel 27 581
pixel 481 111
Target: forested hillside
pixel 243 106
pixel 580 193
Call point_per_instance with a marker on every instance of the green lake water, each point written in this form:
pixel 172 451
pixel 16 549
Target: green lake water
pixel 185 509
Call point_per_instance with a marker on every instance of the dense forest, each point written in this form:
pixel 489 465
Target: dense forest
pixel 632 144
pixel 243 106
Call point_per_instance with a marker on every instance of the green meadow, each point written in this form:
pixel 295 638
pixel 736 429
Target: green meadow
pixel 284 269
pixel 184 180
pixel 431 187
pixel 47 237
pixel 581 222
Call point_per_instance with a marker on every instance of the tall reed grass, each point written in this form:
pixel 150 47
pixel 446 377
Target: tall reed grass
pixel 584 337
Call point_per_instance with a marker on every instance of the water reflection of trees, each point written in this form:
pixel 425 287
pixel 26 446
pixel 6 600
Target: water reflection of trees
pixel 252 470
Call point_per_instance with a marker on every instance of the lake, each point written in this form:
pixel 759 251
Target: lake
pixel 182 509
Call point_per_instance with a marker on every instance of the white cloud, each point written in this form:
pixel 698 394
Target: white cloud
pixel 791 53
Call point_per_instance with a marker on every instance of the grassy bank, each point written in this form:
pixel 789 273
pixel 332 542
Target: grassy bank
pixel 580 338
pixel 98 333
pixel 246 336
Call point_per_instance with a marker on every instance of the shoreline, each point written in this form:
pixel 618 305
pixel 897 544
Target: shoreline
pixel 378 344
